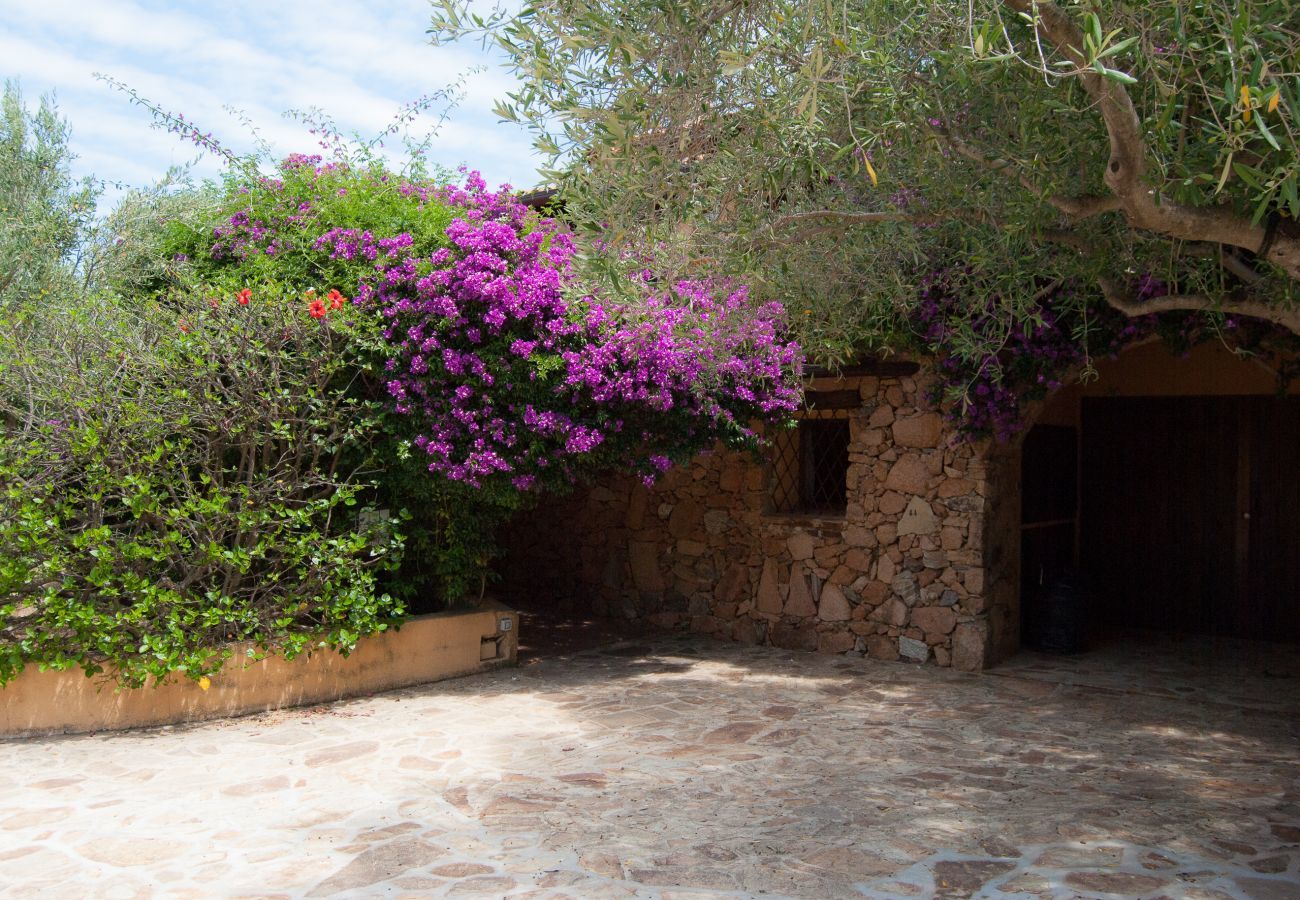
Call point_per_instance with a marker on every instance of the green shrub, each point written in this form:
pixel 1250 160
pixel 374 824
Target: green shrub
pixel 177 476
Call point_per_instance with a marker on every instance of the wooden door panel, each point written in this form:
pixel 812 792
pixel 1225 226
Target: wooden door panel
pixel 1158 511
pixel 1271 591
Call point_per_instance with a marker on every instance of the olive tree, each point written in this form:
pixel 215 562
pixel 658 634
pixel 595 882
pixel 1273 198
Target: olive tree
pixel 837 151
pixel 44 212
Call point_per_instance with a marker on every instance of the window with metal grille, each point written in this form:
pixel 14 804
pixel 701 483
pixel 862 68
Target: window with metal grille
pixel 810 465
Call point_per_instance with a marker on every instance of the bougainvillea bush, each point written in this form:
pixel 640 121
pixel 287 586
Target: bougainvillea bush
pixel 495 374
pixel 312 418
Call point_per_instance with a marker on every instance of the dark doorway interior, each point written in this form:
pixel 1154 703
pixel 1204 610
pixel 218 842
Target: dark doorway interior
pixel 1048 517
pixel 1190 514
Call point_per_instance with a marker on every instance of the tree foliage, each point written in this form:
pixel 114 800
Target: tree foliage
pixel 840 151
pixel 45 214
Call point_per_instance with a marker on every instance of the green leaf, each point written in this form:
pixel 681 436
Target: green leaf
pixel 1117 75
pixel 1264 130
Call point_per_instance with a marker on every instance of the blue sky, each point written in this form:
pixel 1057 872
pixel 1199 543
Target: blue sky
pixel 358 61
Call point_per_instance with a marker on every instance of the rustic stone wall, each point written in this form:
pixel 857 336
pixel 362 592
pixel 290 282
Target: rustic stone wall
pixel 902 575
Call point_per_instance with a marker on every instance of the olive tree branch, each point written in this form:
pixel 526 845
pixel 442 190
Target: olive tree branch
pixel 1123 300
pixel 1126 170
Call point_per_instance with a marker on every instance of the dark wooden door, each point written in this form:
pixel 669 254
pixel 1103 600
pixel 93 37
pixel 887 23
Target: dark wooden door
pixel 1271 586
pixel 1190 513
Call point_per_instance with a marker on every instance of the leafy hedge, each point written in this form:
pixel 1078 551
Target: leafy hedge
pixel 178 476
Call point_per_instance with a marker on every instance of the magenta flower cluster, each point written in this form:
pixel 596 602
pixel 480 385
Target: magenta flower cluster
pixel 503 369
pixel 507 374
pixel 983 393
pixel 510 376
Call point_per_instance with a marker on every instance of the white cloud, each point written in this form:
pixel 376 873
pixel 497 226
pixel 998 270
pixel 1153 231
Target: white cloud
pixel 357 61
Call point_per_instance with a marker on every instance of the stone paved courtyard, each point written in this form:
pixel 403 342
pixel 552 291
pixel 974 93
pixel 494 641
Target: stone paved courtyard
pixel 680 767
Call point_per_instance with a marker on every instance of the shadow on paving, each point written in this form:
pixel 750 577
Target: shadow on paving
pixel 545 633
pixel 665 764
pixel 693 764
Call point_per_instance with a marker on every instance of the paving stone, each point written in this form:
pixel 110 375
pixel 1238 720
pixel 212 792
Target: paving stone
pixel 1120 883
pixel 378 864
pixel 965 878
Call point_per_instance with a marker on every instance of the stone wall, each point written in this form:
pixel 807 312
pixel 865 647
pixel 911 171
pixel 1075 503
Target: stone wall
pixel 901 575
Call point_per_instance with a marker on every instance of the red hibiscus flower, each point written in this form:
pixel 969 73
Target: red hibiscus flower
pixel 244 296
pixel 316 309
pixel 336 300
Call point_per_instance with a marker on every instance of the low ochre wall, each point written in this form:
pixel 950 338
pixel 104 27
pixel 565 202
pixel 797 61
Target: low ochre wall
pixel 426 648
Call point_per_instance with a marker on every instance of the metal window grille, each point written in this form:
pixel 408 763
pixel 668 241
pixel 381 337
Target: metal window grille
pixel 810 465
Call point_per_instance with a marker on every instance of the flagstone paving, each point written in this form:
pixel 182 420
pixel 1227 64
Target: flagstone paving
pixel 678 767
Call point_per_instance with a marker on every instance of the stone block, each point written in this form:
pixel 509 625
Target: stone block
pixel 800 602
pixel 835 642
pixel 769 594
pixel 731 586
pixel 858 560
pixel 669 621
pixel 643 558
pixel 827 555
pixel 875 592
pixel 857 536
pixel 842 576
pixel 717 521
pixel 905 588
pixel 917 651
pixel 892 612
pixel 918 518
pixel 701 624
pixel 801 546
pixel 686 518
pixel 934 619
pixel 834 605
pixel 892 503
pixel 970 646
pixel 789 636
pixel 634 517
pixel 732 479
pixel 743 632
pixel 924 430
pixel 881 646
pixel 908 476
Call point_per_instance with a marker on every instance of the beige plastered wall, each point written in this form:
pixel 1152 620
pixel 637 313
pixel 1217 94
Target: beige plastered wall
pixel 1152 370
pixel 425 648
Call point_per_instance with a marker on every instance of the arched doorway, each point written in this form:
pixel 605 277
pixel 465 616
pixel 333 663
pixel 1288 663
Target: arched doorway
pixel 1171 486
